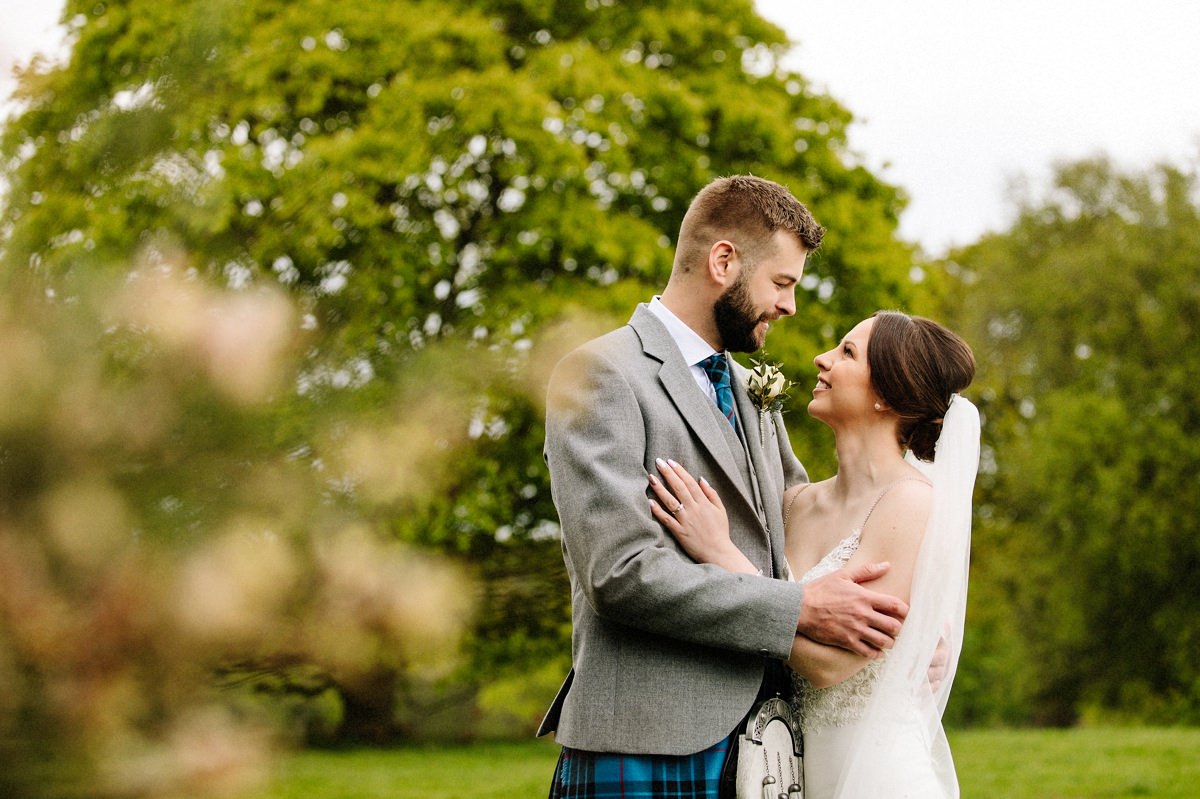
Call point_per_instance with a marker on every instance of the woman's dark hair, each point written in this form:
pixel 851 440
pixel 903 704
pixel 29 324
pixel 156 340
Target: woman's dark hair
pixel 916 364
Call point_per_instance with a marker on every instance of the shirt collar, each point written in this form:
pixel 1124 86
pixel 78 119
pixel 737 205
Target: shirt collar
pixel 693 348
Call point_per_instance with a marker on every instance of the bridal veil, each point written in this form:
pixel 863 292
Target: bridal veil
pixel 901 734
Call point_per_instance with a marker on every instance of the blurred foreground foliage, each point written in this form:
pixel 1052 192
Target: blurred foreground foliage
pixel 165 536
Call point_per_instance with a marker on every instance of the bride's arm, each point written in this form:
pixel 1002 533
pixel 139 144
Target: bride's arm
pixel 693 513
pixel 892 534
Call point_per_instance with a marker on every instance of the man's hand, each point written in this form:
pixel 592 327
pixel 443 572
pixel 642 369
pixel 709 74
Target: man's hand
pixel 840 612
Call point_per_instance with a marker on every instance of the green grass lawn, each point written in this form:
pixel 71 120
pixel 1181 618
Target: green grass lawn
pixel 992 764
pixel 1057 764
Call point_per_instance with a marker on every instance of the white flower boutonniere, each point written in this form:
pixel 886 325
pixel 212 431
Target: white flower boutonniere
pixel 767 388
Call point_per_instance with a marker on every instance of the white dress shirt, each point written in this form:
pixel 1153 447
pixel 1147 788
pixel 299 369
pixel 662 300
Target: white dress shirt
pixel 693 348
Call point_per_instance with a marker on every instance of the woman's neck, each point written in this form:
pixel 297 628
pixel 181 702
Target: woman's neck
pixel 869 459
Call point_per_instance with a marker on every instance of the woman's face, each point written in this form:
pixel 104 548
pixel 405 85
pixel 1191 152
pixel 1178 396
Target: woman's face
pixel 843 390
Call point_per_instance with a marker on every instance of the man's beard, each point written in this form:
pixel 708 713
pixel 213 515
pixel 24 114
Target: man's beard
pixel 737 318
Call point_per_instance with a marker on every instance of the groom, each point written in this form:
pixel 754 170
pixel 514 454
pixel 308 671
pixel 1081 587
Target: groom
pixel 669 655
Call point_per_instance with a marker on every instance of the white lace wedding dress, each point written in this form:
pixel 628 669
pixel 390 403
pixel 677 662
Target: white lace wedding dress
pixel 834 722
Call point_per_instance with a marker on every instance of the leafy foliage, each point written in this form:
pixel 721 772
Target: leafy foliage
pixel 1083 318
pixel 418 169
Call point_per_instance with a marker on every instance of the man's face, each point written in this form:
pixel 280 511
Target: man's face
pixel 760 294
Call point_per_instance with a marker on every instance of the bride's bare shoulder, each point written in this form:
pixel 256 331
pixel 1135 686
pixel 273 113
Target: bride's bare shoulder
pixel 804 495
pixel 807 489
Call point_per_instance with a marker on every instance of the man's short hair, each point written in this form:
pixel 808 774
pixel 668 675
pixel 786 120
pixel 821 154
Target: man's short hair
pixel 747 211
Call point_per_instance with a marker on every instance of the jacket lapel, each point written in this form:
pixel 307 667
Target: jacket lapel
pixel 754 432
pixel 710 428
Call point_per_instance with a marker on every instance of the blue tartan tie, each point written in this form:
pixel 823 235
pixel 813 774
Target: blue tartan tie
pixel 717 369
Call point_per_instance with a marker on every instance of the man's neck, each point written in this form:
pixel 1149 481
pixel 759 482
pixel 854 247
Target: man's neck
pixel 696 315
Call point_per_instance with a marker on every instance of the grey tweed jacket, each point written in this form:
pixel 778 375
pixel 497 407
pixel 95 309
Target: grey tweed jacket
pixel 667 654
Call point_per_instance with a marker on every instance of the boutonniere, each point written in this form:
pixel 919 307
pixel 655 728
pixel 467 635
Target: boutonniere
pixel 767 388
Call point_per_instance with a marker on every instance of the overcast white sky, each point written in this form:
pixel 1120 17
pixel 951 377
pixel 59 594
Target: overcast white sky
pixel 960 96
pixel 954 97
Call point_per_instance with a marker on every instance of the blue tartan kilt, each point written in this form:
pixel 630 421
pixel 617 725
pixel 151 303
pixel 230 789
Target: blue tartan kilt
pixel 601 775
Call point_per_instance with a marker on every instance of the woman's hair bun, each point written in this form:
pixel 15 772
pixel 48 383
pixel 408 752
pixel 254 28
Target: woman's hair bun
pixel 916 366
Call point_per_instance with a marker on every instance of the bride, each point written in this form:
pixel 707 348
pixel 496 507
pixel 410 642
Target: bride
pixel 907 450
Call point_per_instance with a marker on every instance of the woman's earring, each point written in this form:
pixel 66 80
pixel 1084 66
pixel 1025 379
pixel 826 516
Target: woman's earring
pixel 878 407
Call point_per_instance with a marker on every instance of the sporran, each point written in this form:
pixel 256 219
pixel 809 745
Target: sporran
pixel 769 754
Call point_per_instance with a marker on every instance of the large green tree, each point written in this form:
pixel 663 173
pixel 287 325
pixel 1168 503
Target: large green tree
pixel 466 172
pixel 1085 317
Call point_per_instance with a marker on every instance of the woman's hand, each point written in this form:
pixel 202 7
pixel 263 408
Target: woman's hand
pixel 693 513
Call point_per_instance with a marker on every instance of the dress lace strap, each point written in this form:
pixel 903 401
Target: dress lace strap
pixel 883 494
pixel 788 510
